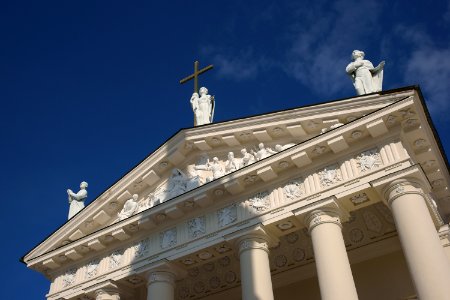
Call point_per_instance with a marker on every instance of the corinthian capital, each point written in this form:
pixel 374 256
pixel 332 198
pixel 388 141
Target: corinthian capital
pixel 322 216
pixel 402 187
pixel 253 242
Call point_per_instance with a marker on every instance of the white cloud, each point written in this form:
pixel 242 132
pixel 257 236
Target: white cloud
pixel 238 66
pixel 428 64
pixel 324 37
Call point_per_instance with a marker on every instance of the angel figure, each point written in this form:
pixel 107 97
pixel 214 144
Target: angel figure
pixel 203 107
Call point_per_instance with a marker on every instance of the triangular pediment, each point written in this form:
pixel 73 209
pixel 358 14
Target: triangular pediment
pixel 193 167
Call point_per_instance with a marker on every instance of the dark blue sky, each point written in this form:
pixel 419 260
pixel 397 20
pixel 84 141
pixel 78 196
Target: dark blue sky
pixel 89 88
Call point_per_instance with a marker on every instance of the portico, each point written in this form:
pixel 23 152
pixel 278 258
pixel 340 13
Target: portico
pixel 333 206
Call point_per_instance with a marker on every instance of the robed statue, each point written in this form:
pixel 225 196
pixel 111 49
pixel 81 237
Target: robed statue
pixel 366 78
pixel 76 200
pixel 203 107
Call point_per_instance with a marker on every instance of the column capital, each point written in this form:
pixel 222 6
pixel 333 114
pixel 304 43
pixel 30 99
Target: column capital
pixel 322 216
pixel 161 276
pixel 402 186
pixel 255 241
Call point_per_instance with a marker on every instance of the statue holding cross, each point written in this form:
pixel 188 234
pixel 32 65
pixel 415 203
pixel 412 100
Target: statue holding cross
pixel 202 103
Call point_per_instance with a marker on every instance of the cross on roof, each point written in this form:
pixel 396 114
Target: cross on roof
pixel 195 75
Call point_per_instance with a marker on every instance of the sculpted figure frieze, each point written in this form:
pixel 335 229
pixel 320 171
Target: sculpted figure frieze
pixel 330 175
pixel 263 152
pixel 129 208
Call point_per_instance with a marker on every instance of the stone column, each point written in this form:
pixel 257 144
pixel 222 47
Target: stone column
pixel 333 267
pixel 107 293
pixel 426 258
pixel 160 285
pixel 256 280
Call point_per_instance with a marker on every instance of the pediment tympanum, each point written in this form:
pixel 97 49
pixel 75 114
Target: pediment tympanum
pixel 191 191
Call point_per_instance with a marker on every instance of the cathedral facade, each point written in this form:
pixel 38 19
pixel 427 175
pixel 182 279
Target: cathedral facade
pixel 341 200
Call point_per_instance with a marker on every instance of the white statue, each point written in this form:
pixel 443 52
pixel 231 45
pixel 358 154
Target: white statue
pixel 194 179
pixel 263 152
pixel 129 208
pixel 365 77
pixel 176 185
pixel 247 158
pixel 77 200
pixel 203 107
pixel 280 148
pixel 232 164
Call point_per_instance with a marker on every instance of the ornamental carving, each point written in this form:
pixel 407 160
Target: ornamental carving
pixel 115 259
pixel 373 223
pixel 92 268
pixel 196 227
pixel 141 248
pixel 260 201
pixel 356 235
pixel 69 278
pixel 294 189
pixel 330 175
pixel 168 238
pixel 369 160
pixel 359 199
pixel 227 215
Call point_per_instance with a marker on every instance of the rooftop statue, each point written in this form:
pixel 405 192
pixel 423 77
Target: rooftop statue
pixel 76 201
pixel 203 107
pixel 366 78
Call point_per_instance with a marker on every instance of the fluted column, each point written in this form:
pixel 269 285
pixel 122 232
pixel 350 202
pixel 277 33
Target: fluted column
pixel 256 279
pixel 333 267
pixel 426 258
pixel 160 285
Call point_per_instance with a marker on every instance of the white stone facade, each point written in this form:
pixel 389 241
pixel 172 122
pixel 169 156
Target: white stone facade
pixel 348 194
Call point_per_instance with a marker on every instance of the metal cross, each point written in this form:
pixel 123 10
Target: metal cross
pixel 195 75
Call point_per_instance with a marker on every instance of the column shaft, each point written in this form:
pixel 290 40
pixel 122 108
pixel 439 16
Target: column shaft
pixel 426 258
pixel 256 280
pixel 160 286
pixel 333 267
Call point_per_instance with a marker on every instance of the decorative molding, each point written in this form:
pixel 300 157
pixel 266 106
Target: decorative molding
pixel 369 160
pixel 196 227
pixel 68 278
pixel 141 248
pixel 359 199
pixel 294 189
pixel 92 268
pixel 260 201
pixel 115 259
pixel 330 175
pixel 227 215
pixel 168 238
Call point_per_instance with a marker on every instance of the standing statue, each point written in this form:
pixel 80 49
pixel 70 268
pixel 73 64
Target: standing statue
pixel 232 164
pixel 365 77
pixel 76 201
pixel 203 107
pixel 247 158
pixel 129 208
pixel 263 152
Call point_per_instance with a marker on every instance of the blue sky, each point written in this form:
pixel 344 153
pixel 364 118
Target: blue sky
pixel 89 88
